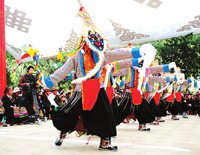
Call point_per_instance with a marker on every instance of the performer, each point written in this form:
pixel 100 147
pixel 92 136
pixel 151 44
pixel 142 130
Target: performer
pixel 90 109
pixel 108 80
pixel 154 95
pixel 132 100
pixel 155 101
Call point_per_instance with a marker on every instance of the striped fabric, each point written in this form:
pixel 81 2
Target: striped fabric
pixel 128 63
pixel 157 79
pixel 73 63
pixel 160 79
pixel 62 72
pixel 119 54
pixel 121 72
pixel 159 69
pixel 124 72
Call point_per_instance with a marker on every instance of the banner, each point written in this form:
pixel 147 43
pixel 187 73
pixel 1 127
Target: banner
pixel 48 25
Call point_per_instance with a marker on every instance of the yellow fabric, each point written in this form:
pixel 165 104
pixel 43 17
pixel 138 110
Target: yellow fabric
pixel 32 52
pixel 60 56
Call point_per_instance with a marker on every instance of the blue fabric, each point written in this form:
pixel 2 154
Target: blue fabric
pixel 95 57
pixel 69 77
pixel 189 80
pixel 175 79
pixel 36 58
pixel 195 84
pixel 168 79
pixel 135 62
pixel 136 53
pixel 121 83
pixel 132 77
pixel 48 82
pixel 180 89
pixel 147 88
pixel 111 79
pixel 81 63
pixel 166 68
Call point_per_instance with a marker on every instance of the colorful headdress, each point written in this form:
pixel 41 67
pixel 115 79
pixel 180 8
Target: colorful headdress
pixel 94 38
pixel 96 41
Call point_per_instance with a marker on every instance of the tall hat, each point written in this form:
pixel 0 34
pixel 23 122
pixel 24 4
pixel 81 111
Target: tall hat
pixel 91 34
pixel 96 41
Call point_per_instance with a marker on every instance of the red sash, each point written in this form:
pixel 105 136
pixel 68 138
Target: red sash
pixel 178 96
pixel 146 95
pixel 90 91
pixel 170 98
pixel 156 98
pixel 109 91
pixel 136 96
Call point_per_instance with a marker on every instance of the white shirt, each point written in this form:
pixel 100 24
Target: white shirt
pixel 51 98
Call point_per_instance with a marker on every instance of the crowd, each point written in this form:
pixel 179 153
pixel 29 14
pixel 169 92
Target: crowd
pixel 192 103
pixel 15 110
pixel 19 104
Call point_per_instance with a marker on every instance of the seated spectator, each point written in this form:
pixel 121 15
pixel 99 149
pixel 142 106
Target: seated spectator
pixel 62 102
pixel 2 111
pixel 53 97
pixel 63 99
pixel 9 104
pixel 18 96
pixel 196 104
pixel 19 103
pixel 191 104
pixel 47 105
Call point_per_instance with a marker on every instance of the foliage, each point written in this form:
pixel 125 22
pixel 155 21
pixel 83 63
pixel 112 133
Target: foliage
pixel 47 67
pixel 185 51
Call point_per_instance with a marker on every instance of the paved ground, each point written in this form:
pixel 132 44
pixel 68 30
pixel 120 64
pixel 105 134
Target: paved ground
pixel 169 138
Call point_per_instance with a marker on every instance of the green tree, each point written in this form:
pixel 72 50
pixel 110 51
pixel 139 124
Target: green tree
pixel 185 51
pixel 47 67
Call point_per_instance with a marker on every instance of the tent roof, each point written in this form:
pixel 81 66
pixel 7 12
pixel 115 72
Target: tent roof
pixel 48 25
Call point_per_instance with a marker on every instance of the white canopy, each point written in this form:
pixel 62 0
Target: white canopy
pixel 48 24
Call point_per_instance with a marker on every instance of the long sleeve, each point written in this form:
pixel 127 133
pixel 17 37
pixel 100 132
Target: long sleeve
pixel 160 79
pixel 122 72
pixel 159 69
pixel 6 102
pixel 121 54
pixel 157 79
pixel 22 82
pixel 127 63
pixel 59 74
pixel 70 76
